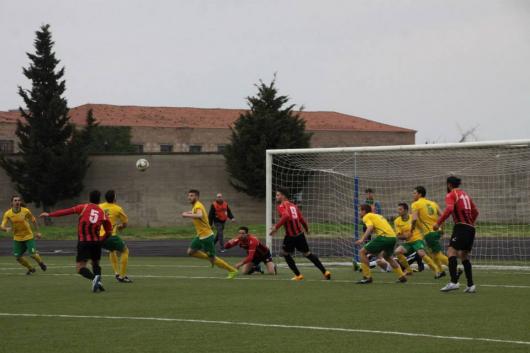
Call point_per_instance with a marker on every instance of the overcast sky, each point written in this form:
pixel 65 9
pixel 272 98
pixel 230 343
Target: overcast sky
pixel 426 65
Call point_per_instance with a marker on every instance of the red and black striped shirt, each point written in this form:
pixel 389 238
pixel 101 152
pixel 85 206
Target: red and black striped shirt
pixel 91 218
pixel 461 206
pixel 251 244
pixel 291 219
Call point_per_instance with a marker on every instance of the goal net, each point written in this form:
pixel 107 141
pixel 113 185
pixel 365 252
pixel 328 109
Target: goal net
pixel 329 184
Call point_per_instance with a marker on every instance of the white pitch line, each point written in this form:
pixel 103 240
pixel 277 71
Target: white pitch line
pixel 256 324
pixel 271 278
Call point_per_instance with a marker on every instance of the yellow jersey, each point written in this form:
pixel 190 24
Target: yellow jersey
pixel 116 216
pixel 202 226
pixel 19 223
pixel 403 227
pixel 428 214
pixel 381 226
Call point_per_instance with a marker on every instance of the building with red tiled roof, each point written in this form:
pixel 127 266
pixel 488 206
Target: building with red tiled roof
pixel 176 129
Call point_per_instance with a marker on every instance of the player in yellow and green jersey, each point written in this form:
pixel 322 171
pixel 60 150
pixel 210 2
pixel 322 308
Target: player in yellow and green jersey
pixel 413 241
pixel 203 245
pixel 18 219
pixel 425 214
pixel 114 244
pixel 382 244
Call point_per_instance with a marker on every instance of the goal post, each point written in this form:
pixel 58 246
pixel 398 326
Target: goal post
pixel 329 184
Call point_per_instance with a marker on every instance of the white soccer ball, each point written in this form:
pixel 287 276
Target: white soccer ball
pixel 142 164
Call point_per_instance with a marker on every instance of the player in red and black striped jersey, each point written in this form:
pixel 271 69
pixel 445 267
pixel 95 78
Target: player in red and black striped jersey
pixel 465 213
pixel 91 219
pixel 292 220
pixel 257 252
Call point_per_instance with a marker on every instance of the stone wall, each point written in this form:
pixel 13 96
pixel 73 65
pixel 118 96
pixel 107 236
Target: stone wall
pixel 157 196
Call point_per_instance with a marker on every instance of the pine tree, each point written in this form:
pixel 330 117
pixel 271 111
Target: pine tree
pixel 270 123
pixel 53 161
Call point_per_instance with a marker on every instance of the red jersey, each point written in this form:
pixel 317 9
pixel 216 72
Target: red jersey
pixel 461 206
pixel 251 244
pixel 91 218
pixel 291 219
pixel 221 210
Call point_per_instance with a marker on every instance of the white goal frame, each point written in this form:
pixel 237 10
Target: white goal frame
pixel 271 153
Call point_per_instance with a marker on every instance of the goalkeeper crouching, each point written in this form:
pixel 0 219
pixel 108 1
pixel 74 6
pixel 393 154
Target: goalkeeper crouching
pixel 257 252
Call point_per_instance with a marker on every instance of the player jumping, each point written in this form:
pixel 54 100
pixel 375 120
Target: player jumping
pixel 294 224
pixel 203 246
pixel 465 213
pixel 256 252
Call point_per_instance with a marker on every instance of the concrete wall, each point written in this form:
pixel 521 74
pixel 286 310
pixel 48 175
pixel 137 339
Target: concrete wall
pixel 157 196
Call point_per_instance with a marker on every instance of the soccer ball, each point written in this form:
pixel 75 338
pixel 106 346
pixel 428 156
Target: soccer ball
pixel 142 164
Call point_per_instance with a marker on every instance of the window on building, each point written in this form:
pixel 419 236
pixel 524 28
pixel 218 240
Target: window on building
pixel 7 146
pixel 221 148
pixel 166 148
pixel 195 149
pixel 138 148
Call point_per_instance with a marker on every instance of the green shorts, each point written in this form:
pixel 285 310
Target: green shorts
pixel 20 247
pixel 432 240
pixel 207 245
pixel 114 243
pixel 381 243
pixel 413 247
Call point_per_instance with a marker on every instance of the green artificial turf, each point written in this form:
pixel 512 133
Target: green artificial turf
pixel 185 288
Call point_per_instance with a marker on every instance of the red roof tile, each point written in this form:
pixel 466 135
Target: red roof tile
pixel 216 118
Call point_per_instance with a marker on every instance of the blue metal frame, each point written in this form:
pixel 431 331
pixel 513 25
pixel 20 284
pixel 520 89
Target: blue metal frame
pixel 356 216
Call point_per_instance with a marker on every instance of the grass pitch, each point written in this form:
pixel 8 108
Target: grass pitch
pixel 183 305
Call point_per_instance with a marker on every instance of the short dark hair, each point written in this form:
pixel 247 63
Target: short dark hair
pixel 369 190
pixel 13 197
pixel 366 207
pixel 454 181
pixel 404 205
pixel 421 190
pixel 244 228
pixel 94 196
pixel 110 196
pixel 283 191
pixel 194 191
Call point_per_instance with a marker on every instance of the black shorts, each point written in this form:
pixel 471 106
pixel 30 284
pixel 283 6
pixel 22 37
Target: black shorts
pixel 266 258
pixel 297 242
pixel 463 237
pixel 88 250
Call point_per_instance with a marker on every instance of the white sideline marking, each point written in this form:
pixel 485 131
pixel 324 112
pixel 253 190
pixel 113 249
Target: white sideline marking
pixel 256 324
pixel 269 278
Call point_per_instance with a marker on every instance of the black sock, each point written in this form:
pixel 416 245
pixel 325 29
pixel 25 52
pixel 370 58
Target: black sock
pixel 96 269
pixel 315 260
pixel 85 272
pixel 468 271
pixel 452 269
pixel 419 261
pixel 290 262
